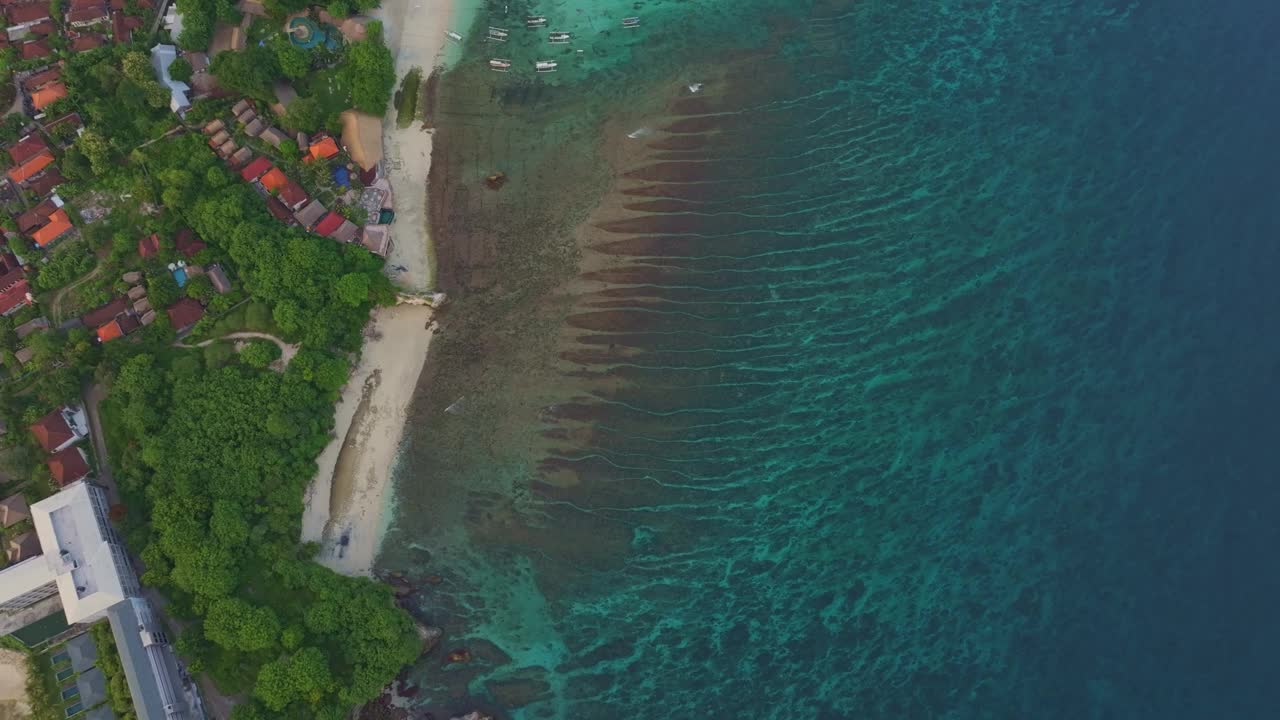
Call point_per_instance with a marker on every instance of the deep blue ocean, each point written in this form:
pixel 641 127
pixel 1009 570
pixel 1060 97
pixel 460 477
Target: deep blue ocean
pixel 920 363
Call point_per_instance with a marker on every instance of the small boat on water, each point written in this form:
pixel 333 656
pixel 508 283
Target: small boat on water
pixel 631 22
pixel 453 36
pixel 500 65
pixel 560 38
pixel 497 34
pixel 535 21
pixel 545 66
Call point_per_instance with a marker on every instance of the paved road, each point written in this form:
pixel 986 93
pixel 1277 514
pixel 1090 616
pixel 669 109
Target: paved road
pixel 93 394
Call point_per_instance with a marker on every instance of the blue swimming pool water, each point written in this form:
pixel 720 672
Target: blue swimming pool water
pixel 180 275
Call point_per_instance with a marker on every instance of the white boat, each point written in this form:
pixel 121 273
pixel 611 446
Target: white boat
pixel 453 36
pixel 500 65
pixel 535 21
pixel 545 66
pixel 695 87
pixel 631 22
pixel 560 38
pixel 497 34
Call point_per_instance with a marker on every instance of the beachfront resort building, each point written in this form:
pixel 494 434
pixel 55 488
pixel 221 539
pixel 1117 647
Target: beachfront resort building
pixel 77 556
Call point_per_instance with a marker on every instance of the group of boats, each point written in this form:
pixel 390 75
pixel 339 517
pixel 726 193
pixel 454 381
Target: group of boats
pixel 534 22
pixel 504 65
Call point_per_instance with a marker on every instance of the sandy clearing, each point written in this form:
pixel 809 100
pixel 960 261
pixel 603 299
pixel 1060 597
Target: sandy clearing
pixel 415 32
pixel 13 685
pixel 351 494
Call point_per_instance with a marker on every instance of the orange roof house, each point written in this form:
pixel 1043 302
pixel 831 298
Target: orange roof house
pixel 26 170
pixel 324 148
pixel 68 466
pixel 110 331
pixel 48 95
pixel 274 179
pixel 58 225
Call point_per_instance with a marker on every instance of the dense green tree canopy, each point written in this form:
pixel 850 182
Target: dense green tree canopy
pixel 371 71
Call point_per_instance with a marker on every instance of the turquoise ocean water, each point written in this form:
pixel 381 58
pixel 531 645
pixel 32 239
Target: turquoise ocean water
pixel 920 364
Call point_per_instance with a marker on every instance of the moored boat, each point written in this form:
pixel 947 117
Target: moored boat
pixel 560 38
pixel 545 66
pixel 500 64
pixel 535 21
pixel 631 22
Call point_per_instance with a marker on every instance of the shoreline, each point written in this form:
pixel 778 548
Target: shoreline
pixel 351 499
pixel 350 496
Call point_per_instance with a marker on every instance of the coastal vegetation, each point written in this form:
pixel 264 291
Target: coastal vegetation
pixel 407 98
pixel 212 449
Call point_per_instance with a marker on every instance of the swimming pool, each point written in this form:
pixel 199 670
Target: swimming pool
pixel 306 34
pixel 180 275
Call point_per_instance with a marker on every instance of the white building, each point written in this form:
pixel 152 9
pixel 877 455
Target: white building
pixel 84 563
pixel 162 56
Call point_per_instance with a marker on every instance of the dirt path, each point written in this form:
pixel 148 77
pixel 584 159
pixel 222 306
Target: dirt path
pixel 55 306
pixel 287 351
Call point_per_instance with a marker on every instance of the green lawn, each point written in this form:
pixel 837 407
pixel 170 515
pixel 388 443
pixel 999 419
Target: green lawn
pixel 330 87
pixel 262 29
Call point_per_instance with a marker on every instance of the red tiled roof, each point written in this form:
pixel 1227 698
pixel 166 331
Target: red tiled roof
pixel 11 278
pixel 328 224
pixel 52 431
pixel 14 297
pixel 255 169
pixel 19 14
pixel 104 314
pixel 48 95
pixel 279 211
pixel 119 28
pixel 42 78
pixel 110 331
pixel 46 181
pixel 132 22
pixel 68 466
pixel 88 41
pixel 25 170
pixel 187 243
pixel 36 216
pixel 42 28
pixel 149 246
pixel 59 224
pixel 69 118
pixel 27 148
pixel 274 179
pixel 87 14
pixel 36 49
pixel 324 148
pixel 292 194
pixel 185 313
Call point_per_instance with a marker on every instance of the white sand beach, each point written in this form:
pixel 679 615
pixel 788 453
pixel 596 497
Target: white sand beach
pixel 351 495
pixel 415 32
pixel 350 499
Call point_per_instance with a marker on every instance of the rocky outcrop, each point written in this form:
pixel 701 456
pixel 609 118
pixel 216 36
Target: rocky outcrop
pixel 430 636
